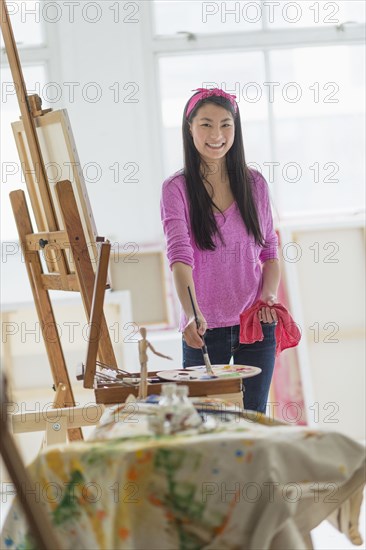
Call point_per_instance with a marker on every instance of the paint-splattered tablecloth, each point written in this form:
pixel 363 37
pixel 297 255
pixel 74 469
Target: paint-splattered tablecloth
pixel 240 485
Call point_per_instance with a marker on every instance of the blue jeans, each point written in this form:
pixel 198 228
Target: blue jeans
pixel 223 344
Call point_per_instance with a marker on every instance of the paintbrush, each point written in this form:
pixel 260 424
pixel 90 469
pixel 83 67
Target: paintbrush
pixel 206 358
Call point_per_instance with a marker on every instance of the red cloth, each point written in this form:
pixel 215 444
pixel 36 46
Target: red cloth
pixel 287 332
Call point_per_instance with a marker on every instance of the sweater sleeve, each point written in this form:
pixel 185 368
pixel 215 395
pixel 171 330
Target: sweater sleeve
pixel 270 248
pixel 175 219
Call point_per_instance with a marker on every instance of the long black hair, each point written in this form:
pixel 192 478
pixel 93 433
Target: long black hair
pixel 202 217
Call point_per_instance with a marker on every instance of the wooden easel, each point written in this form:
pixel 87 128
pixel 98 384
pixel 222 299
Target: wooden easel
pixel 52 239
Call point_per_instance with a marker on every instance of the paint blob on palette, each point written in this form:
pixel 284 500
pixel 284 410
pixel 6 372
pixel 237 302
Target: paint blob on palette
pixel 199 373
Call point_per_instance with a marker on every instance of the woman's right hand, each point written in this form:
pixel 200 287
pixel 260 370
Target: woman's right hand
pixel 192 334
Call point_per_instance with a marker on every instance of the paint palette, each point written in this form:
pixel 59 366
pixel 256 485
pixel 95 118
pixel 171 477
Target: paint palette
pixel 192 374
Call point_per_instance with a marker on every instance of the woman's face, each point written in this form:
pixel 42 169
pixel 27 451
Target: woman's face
pixel 213 131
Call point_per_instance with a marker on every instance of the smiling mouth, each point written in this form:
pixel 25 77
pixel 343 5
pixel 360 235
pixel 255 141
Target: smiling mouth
pixel 213 146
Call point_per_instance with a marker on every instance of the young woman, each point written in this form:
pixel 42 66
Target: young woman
pixel 221 243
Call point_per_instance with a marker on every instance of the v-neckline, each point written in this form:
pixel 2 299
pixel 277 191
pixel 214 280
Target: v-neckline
pixel 226 210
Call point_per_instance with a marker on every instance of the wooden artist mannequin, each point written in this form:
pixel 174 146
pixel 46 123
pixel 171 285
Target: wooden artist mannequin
pixel 143 346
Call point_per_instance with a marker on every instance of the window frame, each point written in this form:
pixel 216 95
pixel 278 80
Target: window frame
pixel 46 53
pixel 265 41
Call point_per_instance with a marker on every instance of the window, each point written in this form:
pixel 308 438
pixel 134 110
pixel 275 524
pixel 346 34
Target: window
pixel 319 128
pixel 25 16
pixel 171 17
pixel 205 17
pixel 314 14
pixel 301 94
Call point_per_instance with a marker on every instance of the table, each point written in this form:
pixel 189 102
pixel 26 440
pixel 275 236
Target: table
pixel 230 389
pixel 243 484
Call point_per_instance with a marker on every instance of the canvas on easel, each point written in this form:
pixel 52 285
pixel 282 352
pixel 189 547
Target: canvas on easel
pixel 61 162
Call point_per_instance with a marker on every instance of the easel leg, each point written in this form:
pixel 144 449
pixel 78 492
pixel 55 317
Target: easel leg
pixel 38 520
pixel 43 305
pixel 96 315
pixel 83 265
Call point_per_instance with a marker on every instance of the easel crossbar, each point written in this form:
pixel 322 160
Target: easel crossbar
pixel 56 282
pixel 38 241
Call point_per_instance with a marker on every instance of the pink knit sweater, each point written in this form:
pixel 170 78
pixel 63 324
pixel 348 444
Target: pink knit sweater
pixel 227 280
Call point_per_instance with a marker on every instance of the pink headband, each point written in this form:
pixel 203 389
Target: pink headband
pixel 205 93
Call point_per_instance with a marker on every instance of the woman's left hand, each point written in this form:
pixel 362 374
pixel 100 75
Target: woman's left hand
pixel 267 314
